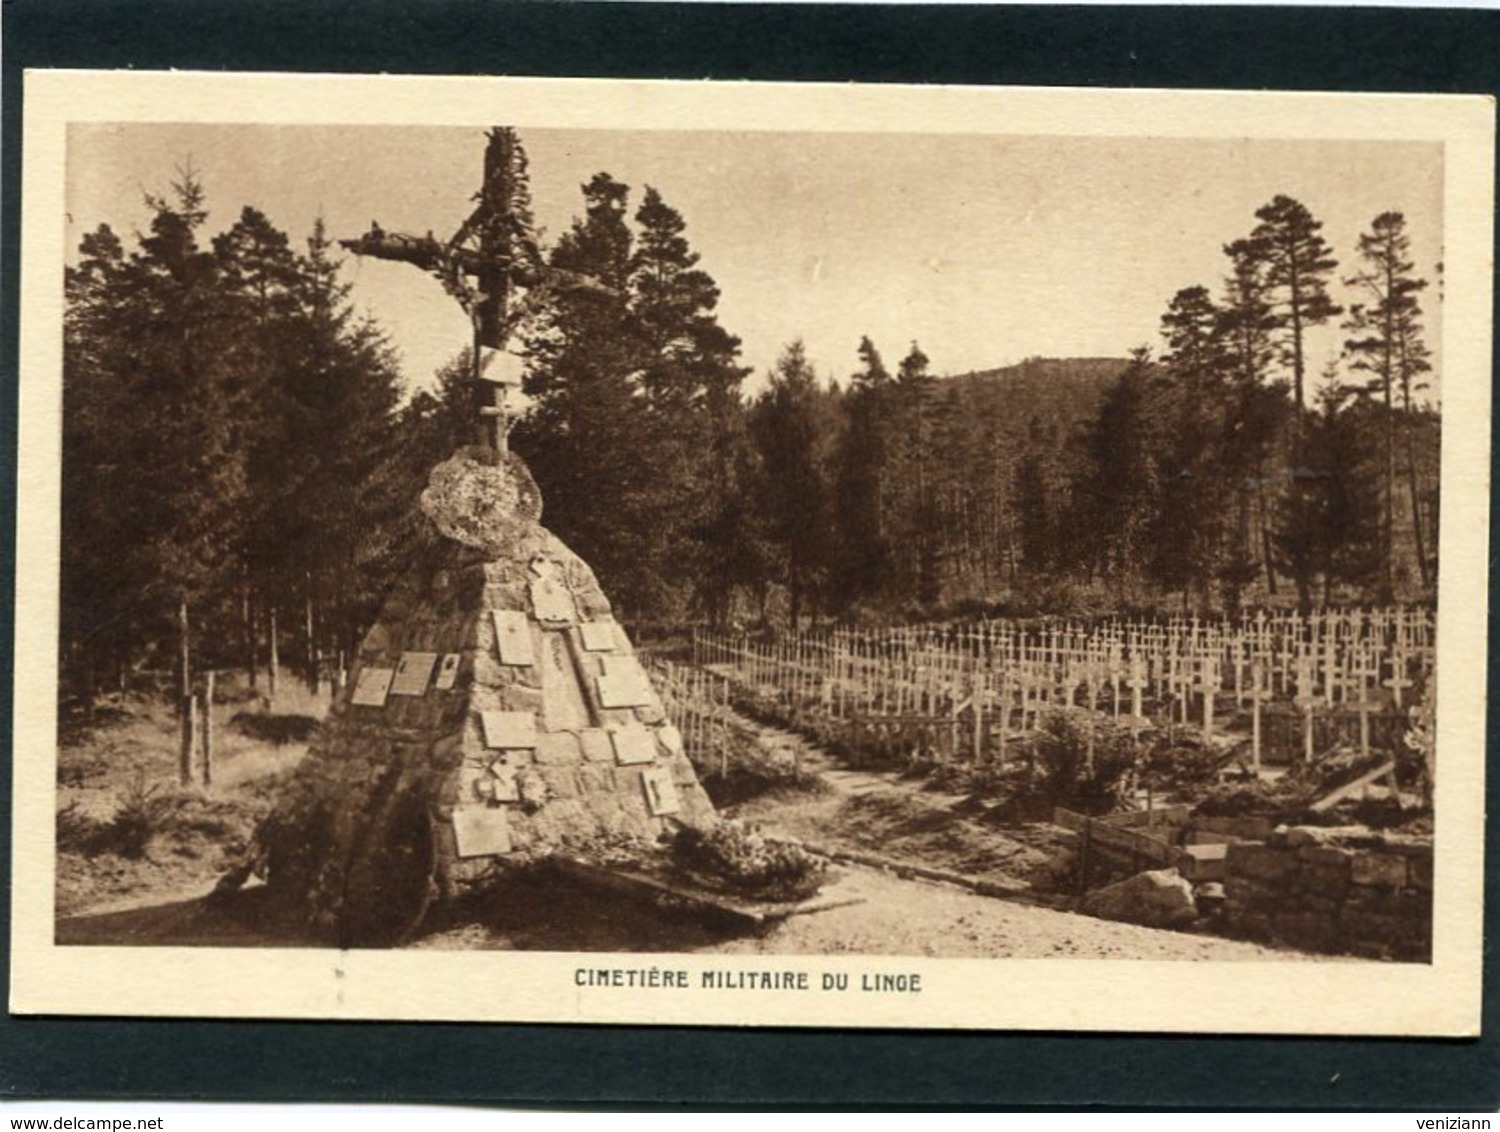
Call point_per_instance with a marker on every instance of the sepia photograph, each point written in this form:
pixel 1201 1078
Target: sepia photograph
pixel 603 551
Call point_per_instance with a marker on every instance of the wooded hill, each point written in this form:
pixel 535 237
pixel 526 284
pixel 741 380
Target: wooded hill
pixel 238 458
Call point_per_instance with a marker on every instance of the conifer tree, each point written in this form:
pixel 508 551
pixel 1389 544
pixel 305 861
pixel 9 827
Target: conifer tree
pixel 1387 344
pixel 791 424
pixel 585 437
pixel 1299 265
pixel 1329 523
pixel 690 379
pixel 864 474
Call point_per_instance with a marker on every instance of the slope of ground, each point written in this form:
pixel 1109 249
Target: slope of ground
pixel 127 832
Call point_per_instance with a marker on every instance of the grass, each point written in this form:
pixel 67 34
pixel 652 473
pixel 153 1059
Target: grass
pixel 126 828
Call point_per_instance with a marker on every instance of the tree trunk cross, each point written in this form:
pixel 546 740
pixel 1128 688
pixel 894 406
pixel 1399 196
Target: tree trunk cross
pixel 491 256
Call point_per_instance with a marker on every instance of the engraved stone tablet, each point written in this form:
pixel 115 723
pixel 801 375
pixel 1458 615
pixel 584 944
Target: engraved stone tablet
pixel 509 729
pixel 661 792
pixel 622 692
pixel 372 686
pixel 598 636
pixel 413 673
pixel 625 683
pixel 513 637
pixel 481 831
pixel 633 745
pixel 551 601
pixel 447 671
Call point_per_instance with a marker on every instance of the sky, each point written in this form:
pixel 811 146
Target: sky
pixel 985 249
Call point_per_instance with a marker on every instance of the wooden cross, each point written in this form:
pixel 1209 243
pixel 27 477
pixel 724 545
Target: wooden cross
pixel 1259 694
pixel 1330 667
pixel 1306 700
pixel 1071 682
pixel 492 255
pixel 1137 682
pixel 1363 703
pixel 1398 678
pixel 1116 674
pixel 1206 684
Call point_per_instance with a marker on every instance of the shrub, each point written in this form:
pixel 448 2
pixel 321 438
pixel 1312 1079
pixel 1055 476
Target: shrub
pixel 277 729
pixel 138 819
pixel 1177 765
pixel 739 856
pixel 1063 773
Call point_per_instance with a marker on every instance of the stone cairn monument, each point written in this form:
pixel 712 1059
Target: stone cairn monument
pixel 496 709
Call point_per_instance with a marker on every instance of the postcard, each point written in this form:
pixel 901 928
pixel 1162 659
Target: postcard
pixel 920 557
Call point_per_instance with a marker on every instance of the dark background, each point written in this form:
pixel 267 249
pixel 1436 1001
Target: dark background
pixel 1242 48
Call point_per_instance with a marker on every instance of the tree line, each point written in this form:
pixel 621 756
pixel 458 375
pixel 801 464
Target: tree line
pixel 228 450
pixel 239 460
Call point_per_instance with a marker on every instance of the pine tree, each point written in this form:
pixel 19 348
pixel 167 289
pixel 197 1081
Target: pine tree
pixel 1298 267
pixel 154 487
pixel 1190 537
pixel 1387 344
pixel 1329 517
pixel 791 425
pixel 1247 321
pixel 1117 494
pixel 690 379
pixel 865 468
pixel 586 438
pixel 915 533
pixel 1248 324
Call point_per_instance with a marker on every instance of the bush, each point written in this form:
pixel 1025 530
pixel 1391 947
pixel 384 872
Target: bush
pixel 1182 764
pixel 140 816
pixel 276 729
pixel 739 856
pixel 1063 774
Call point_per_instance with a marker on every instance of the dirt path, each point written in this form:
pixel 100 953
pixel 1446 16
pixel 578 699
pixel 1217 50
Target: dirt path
pixel 537 912
pixel 902 917
pixel 882 815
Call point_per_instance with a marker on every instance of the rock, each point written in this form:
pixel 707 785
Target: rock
pixel 1379 869
pixel 1203 862
pixel 1158 899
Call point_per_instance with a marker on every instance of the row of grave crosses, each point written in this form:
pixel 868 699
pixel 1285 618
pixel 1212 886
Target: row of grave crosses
pixel 1003 668
pixel 1412 627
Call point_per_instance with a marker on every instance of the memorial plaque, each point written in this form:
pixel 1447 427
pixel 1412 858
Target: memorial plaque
pixel 509 729
pixel 551 601
pixel 447 671
pixel 513 637
pixel 503 784
pixel 372 686
pixel 598 636
pixel 628 670
pixel 622 692
pixel 633 745
pixel 661 791
pixel 481 831
pixel 413 673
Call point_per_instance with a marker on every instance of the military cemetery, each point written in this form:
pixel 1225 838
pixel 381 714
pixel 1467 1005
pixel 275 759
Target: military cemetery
pixel 599 640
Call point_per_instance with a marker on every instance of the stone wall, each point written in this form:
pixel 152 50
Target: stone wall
pixel 1342 890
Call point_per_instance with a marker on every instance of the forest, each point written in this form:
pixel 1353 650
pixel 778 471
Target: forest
pixel 242 452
